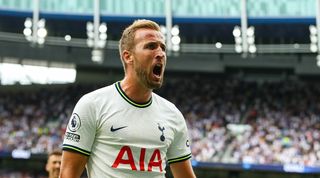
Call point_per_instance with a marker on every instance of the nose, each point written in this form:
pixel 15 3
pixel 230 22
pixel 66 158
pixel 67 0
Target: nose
pixel 160 55
pixel 57 165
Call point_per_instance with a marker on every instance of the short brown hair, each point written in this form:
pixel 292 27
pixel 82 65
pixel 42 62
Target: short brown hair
pixel 55 152
pixel 127 39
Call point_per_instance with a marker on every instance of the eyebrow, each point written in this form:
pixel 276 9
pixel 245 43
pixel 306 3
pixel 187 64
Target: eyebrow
pixel 161 44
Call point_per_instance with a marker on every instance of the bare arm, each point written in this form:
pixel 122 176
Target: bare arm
pixel 182 169
pixel 72 164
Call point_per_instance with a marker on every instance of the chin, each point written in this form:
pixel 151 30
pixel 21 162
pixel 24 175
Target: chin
pixel 155 85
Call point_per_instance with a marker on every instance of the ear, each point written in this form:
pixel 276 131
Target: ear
pixel 47 167
pixel 127 57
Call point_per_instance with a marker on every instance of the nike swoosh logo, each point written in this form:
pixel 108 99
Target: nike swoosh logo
pixel 115 129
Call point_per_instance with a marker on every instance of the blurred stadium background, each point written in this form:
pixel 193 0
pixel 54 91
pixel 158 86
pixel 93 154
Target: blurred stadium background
pixel 245 74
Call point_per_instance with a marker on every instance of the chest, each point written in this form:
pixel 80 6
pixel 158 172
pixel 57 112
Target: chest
pixel 144 128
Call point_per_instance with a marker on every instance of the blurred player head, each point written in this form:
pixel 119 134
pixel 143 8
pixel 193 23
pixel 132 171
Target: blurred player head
pixel 142 51
pixel 53 164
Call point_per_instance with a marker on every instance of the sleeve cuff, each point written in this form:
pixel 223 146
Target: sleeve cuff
pixel 179 159
pixel 72 148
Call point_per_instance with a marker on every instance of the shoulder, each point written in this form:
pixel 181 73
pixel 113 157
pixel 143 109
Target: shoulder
pixel 160 100
pixel 165 105
pixel 96 97
pixel 97 94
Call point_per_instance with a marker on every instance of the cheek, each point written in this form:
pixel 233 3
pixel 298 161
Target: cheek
pixel 145 60
pixel 164 64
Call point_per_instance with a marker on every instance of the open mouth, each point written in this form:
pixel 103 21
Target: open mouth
pixel 157 69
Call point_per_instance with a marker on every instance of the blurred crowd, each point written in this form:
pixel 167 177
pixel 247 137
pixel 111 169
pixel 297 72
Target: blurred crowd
pixel 229 120
pixel 35 121
pixel 234 121
pixel 19 174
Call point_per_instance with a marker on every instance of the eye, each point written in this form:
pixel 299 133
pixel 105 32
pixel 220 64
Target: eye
pixel 151 46
pixel 163 47
pixel 154 45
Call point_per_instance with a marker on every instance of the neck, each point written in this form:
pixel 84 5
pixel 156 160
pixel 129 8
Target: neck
pixel 135 91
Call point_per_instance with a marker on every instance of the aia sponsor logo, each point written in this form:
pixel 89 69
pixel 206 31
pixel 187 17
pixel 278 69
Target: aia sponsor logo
pixel 126 157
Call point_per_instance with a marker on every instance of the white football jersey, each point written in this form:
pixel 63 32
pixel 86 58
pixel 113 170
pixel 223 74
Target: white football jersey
pixel 125 139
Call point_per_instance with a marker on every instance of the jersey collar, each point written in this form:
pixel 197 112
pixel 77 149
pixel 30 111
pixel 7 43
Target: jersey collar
pixel 125 97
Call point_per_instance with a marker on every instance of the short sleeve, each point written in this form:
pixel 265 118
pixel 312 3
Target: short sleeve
pixel 81 128
pixel 179 150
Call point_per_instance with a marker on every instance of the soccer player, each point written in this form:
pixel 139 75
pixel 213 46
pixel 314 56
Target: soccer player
pixel 124 130
pixel 53 164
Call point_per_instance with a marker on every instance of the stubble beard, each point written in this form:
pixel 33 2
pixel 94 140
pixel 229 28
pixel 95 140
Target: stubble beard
pixel 144 78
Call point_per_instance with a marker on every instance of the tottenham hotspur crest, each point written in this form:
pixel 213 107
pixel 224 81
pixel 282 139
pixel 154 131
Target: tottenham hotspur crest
pixel 74 123
pixel 162 137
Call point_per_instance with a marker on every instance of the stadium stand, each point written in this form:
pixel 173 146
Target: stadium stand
pixel 250 114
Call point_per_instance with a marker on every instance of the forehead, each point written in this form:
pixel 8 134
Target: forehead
pixel 148 34
pixel 54 158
